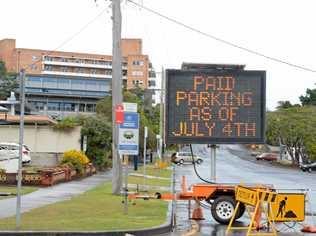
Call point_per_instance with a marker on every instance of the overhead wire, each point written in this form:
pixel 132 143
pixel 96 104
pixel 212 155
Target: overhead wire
pixel 195 170
pixel 224 41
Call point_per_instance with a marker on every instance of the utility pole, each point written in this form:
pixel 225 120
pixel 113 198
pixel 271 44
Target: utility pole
pixel 161 124
pixel 21 141
pixel 213 163
pixel 116 93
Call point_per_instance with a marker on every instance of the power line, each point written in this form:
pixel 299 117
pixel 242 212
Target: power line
pixel 72 36
pixel 220 39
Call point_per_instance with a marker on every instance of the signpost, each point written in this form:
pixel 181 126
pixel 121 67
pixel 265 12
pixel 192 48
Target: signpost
pixel 130 107
pixel 128 140
pixel 246 195
pixel 119 114
pixel 288 207
pixel 129 134
pixel 214 107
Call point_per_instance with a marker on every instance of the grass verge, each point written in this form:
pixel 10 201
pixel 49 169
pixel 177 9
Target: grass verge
pixel 95 210
pixel 12 189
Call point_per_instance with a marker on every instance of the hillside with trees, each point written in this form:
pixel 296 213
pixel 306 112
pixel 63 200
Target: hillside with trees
pixel 295 127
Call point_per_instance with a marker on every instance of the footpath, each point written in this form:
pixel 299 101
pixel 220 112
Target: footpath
pixel 49 195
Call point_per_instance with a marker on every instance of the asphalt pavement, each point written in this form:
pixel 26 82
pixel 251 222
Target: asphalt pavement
pixel 233 169
pixel 49 195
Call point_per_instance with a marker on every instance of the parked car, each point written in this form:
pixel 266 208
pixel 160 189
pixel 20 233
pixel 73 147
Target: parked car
pixel 254 153
pixel 308 167
pixel 185 157
pixel 11 150
pixel 267 157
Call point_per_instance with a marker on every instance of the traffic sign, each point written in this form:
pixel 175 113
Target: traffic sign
pixel 215 107
pixel 246 195
pixel 130 107
pixel 129 134
pixel 119 114
pixel 288 207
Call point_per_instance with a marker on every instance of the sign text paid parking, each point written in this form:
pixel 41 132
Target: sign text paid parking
pixel 215 107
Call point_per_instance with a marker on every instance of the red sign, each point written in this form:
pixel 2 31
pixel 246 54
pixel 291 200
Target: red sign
pixel 119 114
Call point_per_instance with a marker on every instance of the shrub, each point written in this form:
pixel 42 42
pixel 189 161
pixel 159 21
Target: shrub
pixel 74 162
pixel 80 156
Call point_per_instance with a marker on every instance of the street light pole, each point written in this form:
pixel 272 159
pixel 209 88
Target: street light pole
pixel 116 93
pixel 21 141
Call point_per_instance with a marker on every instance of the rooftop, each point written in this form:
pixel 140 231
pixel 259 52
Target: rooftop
pixel 28 119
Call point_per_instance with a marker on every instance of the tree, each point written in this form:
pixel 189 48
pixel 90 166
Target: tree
pixel 296 128
pixel 99 140
pixel 148 117
pixel 8 82
pixel 286 105
pixel 309 98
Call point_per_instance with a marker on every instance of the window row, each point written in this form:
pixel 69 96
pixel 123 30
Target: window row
pixel 63 106
pixel 81 70
pixel 72 84
pixel 64 92
pixel 81 61
pixel 138 63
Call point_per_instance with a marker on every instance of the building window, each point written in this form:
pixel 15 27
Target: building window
pixel 90 107
pixel 48 67
pixel 34 58
pixel 137 73
pixel 64 69
pixel 69 107
pixel 39 106
pixel 93 71
pixel 82 107
pixel 138 63
pixel 53 106
pixel 108 72
pixel 137 82
pixel 48 58
pixel 152 74
pixel 151 83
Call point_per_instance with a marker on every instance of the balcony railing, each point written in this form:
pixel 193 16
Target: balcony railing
pixel 80 64
pixel 50 72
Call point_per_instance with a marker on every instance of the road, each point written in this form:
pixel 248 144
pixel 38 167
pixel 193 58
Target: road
pixel 232 169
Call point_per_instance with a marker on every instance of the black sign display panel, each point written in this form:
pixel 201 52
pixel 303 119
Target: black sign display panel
pixel 215 107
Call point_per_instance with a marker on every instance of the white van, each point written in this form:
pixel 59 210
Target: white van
pixel 11 151
pixel 185 157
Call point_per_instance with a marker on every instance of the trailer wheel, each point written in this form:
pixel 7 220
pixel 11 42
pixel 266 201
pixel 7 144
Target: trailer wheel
pixel 223 208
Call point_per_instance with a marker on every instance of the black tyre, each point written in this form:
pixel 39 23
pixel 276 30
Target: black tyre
pixel 309 170
pixel 199 161
pixel 223 209
pixel 181 161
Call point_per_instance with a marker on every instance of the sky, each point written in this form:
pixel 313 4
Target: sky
pixel 281 29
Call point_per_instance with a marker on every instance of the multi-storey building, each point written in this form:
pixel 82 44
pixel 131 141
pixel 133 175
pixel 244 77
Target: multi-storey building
pixel 64 83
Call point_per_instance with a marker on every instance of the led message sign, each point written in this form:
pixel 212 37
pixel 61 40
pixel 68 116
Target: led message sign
pixel 215 107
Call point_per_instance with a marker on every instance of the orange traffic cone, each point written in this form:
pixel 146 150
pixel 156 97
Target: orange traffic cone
pixel 309 229
pixel 197 212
